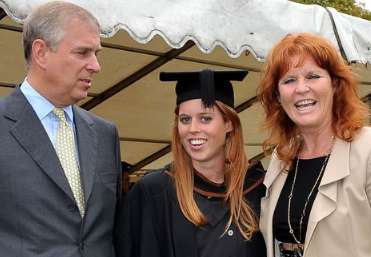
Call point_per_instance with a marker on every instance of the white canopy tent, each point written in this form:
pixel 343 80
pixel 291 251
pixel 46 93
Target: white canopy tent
pixel 143 37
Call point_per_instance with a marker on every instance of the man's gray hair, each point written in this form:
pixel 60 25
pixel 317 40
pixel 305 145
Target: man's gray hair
pixel 48 22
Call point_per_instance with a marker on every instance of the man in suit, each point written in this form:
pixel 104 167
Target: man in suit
pixel 40 213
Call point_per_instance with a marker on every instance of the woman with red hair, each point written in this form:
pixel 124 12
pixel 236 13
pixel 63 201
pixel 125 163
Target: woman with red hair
pixel 207 201
pixel 318 198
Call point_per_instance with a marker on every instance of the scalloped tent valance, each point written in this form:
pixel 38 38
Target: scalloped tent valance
pixel 235 25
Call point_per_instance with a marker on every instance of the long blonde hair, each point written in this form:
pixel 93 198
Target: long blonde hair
pixel 236 165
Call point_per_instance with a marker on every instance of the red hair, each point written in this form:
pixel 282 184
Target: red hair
pixel 236 165
pixel 349 112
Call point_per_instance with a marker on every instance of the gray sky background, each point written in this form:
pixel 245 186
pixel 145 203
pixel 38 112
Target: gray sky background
pixel 367 2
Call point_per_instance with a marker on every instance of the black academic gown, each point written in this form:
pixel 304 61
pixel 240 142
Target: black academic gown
pixel 151 223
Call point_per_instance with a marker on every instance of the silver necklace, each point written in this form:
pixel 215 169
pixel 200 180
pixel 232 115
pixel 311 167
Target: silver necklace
pixel 298 241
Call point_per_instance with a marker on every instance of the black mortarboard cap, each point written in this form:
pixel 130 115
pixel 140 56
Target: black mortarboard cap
pixel 209 85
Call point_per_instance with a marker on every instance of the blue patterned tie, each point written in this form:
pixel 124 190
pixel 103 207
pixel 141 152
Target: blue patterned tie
pixel 65 148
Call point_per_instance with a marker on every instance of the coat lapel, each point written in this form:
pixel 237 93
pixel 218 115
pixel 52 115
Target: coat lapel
pixel 87 141
pixel 30 133
pixel 326 200
pixel 274 182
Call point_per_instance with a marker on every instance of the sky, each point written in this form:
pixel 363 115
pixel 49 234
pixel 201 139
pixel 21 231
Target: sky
pixel 367 2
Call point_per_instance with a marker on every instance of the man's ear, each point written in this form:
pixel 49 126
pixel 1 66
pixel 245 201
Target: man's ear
pixel 39 53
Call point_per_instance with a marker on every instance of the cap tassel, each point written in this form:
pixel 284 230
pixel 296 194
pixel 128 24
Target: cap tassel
pixel 207 87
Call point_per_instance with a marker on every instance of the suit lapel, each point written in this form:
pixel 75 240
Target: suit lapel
pixel 30 133
pixel 87 141
pixel 326 200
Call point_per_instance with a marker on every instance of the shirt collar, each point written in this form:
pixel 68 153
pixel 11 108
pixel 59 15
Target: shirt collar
pixel 41 106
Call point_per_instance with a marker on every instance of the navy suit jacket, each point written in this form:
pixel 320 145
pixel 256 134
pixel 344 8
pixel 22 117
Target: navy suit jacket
pixel 38 214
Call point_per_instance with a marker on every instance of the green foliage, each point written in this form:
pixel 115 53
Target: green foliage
pixel 344 6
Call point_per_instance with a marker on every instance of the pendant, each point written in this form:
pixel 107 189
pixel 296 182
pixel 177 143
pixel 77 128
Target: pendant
pixel 300 250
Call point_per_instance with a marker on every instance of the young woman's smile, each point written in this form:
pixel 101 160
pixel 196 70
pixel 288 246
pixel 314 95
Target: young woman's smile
pixel 202 131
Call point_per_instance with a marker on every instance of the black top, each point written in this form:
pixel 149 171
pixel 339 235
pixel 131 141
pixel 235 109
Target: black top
pixel 307 174
pixel 151 222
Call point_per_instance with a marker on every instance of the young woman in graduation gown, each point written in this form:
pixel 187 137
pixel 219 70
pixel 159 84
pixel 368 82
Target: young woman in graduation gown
pixel 207 201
